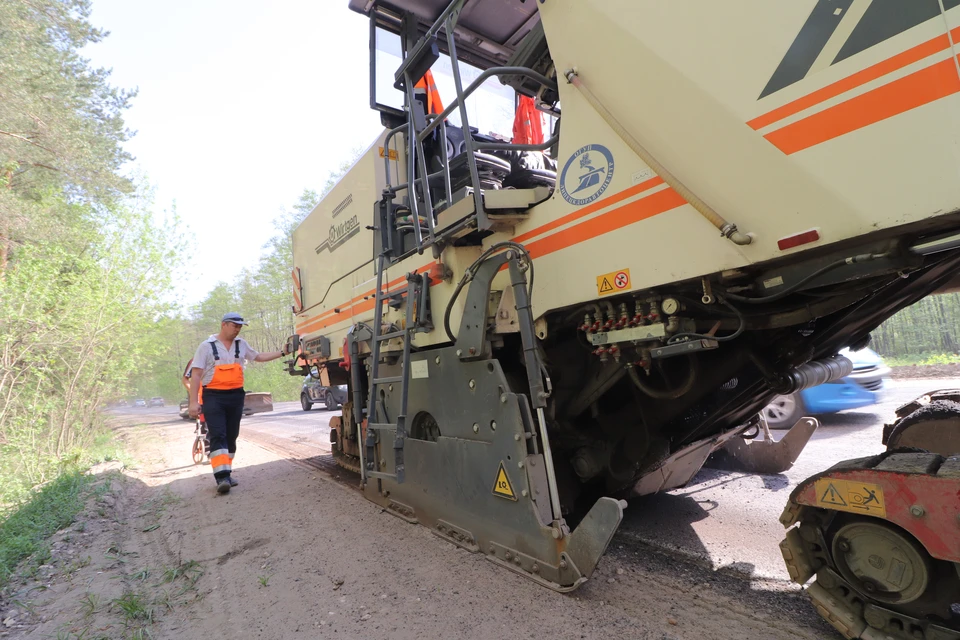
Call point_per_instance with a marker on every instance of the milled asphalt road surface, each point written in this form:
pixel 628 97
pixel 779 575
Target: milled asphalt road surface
pixel 726 520
pixel 730 520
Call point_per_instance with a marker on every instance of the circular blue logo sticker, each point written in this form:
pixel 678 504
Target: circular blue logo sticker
pixel 587 174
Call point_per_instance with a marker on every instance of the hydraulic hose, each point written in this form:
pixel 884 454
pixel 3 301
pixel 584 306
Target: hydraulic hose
pixel 666 394
pixel 700 336
pixel 472 269
pixel 864 257
pixel 727 229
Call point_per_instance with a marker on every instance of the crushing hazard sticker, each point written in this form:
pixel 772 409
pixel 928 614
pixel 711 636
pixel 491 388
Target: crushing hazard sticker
pixel 852 496
pixel 613 282
pixel 502 486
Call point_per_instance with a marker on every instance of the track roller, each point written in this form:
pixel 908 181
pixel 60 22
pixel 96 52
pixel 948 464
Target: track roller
pixel 881 537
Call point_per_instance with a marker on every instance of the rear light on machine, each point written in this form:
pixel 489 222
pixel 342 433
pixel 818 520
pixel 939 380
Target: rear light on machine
pixel 798 239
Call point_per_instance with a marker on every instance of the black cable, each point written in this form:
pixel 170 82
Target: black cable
pixel 666 394
pixel 865 257
pixel 703 336
pixel 453 298
pixel 471 272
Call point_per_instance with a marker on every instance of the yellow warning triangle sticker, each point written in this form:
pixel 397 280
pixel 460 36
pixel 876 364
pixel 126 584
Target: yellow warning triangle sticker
pixel 502 486
pixel 605 286
pixel 832 496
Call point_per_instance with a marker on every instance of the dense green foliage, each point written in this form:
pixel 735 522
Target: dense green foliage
pixel 262 294
pixel 52 507
pixel 924 333
pixel 84 269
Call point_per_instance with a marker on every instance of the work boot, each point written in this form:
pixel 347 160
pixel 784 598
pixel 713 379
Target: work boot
pixel 233 481
pixel 223 486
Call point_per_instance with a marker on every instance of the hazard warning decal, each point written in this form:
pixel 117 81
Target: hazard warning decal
pixel 851 496
pixel 502 486
pixel 613 282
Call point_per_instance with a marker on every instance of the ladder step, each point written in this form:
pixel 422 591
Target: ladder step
pixel 388 380
pixel 391 335
pixel 380 474
pixel 382 426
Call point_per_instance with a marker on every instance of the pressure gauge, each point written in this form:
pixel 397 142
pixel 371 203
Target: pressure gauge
pixel 670 306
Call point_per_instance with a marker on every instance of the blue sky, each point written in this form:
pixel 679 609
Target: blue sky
pixel 241 105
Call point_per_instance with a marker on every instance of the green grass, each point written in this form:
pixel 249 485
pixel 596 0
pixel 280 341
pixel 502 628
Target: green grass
pixel 17 482
pixel 134 607
pixel 28 518
pixel 922 359
pixel 50 509
pixel 90 604
pixel 105 448
pixel 156 506
pixel 191 570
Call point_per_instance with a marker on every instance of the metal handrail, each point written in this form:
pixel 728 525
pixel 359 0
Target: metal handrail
pixel 416 160
pixel 386 150
pixel 449 14
pixel 479 146
pixel 492 71
pixel 509 146
pixel 464 123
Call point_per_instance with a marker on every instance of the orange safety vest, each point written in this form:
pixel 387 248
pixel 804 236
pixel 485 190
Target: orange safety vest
pixel 226 376
pixel 427 87
pixel 527 124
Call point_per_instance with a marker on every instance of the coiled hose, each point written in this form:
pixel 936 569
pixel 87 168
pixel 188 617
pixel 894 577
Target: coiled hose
pixel 472 270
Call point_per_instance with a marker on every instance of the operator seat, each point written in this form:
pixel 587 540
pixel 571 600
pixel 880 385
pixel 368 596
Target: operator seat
pixel 497 169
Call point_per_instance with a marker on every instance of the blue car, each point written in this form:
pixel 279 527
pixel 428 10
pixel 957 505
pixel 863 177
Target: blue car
pixel 864 387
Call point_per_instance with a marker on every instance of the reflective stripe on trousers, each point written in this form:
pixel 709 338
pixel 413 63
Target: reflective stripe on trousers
pixel 221 460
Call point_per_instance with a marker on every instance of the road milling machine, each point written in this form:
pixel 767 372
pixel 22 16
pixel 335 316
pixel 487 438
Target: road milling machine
pixel 537 325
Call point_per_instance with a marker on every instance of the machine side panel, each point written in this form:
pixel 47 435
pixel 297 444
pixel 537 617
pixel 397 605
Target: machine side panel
pixel 334 240
pixel 802 157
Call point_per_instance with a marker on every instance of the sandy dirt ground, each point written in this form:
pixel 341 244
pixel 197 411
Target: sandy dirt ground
pixel 293 552
pixel 932 371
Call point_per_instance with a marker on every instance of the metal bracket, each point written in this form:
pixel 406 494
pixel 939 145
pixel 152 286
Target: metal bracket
pixel 683 348
pixel 472 343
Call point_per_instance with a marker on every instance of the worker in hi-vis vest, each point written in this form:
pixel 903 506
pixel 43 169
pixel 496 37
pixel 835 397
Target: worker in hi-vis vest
pixel 218 370
pixel 426 89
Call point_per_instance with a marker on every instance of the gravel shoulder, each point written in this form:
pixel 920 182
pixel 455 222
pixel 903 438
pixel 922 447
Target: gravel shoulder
pixel 292 552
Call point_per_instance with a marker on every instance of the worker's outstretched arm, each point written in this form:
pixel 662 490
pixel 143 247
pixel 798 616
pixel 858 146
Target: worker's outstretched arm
pixel 271 355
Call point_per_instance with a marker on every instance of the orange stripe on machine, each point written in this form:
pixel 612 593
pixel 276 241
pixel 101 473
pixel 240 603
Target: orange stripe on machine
pixel 346 305
pixel 585 211
pixel 641 209
pixel 325 320
pixel 296 289
pixel 899 61
pixel 647 207
pixel 912 91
